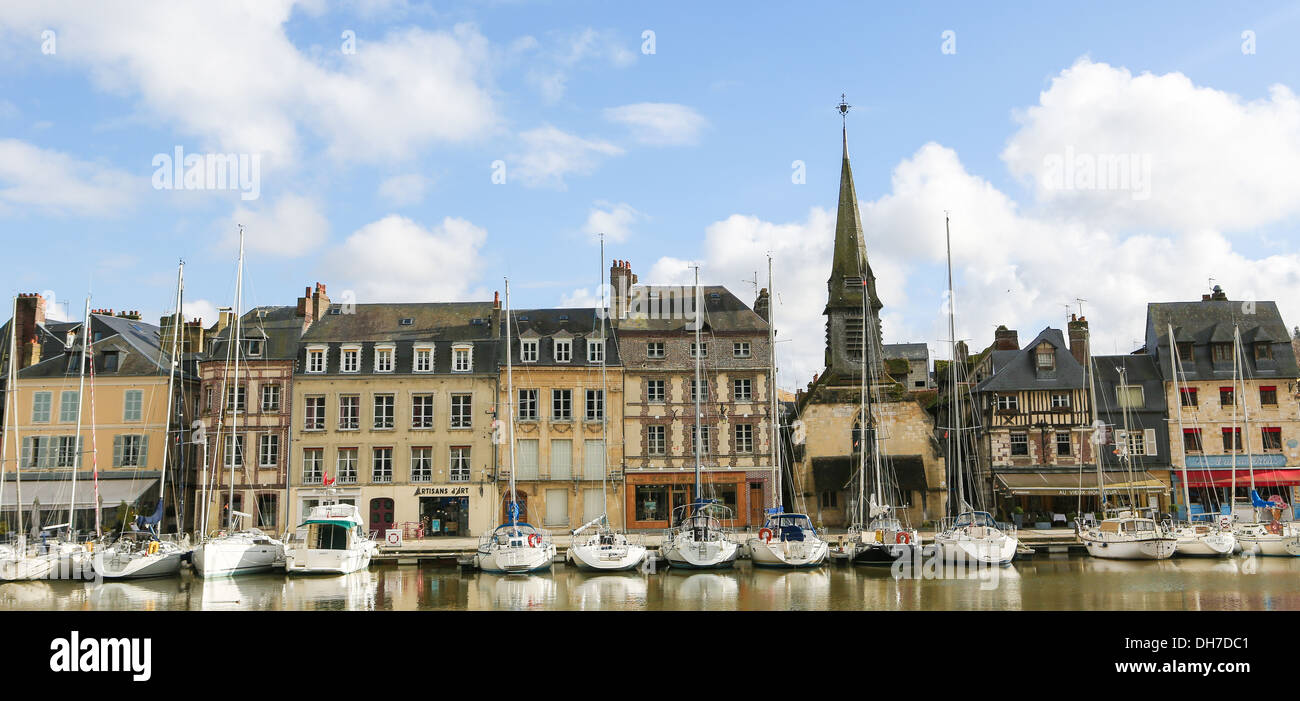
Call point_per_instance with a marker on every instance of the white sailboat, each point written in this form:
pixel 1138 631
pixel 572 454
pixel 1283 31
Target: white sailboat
pixel 787 540
pixel 969 535
pixel 157 556
pixel 235 551
pixel 516 547
pixel 604 549
pixel 698 539
pixel 331 540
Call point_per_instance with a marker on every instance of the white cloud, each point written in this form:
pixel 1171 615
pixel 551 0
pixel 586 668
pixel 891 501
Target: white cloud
pixel 396 259
pixel 549 70
pixel 403 189
pixel 580 298
pixel 548 155
pixel 52 182
pixel 201 309
pixel 613 220
pixel 659 123
pixel 293 227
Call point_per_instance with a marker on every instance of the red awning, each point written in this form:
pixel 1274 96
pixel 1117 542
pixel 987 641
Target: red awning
pixel 1223 478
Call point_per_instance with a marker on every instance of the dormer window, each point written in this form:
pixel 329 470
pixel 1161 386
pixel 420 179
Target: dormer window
pixel 462 358
pixel 423 360
pixel 253 347
pixel 1045 357
pixel 1129 396
pixel 1222 352
pixel 1185 352
pixel 1263 351
pixel 315 360
pixel 384 358
pixel 563 351
pixel 595 351
pixel 110 361
pixel 528 350
pixel 350 359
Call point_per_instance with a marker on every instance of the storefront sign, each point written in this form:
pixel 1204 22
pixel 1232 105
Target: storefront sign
pixel 1266 460
pixel 443 491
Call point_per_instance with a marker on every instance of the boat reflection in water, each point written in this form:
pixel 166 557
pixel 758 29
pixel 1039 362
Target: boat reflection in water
pixel 608 591
pixel 691 590
pixel 793 590
pixel 514 592
pixel 247 593
pixel 354 591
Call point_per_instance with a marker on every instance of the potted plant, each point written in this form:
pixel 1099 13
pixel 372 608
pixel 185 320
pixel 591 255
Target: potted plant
pixel 1018 517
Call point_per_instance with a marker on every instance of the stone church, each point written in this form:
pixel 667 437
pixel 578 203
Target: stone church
pixel 828 432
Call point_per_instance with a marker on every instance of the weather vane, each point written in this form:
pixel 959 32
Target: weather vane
pixel 843 108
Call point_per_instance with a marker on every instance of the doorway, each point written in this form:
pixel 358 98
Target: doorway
pixel 381 515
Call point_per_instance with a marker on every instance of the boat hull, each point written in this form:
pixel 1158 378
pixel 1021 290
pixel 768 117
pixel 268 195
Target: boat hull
pixel 140 566
pixel 218 559
pixel 22 569
pixel 1138 549
pixel 881 554
pixel 1207 545
pixel 506 560
pixel 311 561
pixel 788 554
pixel 1271 545
pixel 597 559
pixel 979 551
pixel 692 556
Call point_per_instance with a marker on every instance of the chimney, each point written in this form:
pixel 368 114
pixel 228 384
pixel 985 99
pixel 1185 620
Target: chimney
pixel 1078 331
pixel 496 312
pixel 621 281
pixel 1006 339
pixel 1218 295
pixel 193 339
pixel 168 325
pixel 320 301
pixel 132 315
pixel 304 305
pixel 762 304
pixel 30 316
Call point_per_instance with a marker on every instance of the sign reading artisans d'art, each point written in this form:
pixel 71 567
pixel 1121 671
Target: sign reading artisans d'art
pixel 446 490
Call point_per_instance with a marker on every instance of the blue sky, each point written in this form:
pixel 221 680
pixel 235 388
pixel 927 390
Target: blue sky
pixel 377 165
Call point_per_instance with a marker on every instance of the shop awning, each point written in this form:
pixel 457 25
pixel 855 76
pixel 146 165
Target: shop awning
pixel 54 493
pixel 1223 478
pixel 1066 484
pixel 909 471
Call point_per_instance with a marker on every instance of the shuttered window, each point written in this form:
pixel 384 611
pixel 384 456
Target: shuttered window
pixel 593 503
pixel 593 460
pixel 557 507
pixel 68 406
pixel 526 459
pixel 561 459
pixel 130 450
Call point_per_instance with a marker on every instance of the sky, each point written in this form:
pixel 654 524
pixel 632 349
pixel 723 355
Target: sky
pixel 401 151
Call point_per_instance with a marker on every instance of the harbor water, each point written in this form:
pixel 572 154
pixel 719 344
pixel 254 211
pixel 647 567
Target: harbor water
pixel 1061 582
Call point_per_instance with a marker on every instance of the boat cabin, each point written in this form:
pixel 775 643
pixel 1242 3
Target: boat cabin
pixel 790 527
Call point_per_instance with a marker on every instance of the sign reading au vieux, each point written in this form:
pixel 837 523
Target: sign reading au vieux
pixel 443 491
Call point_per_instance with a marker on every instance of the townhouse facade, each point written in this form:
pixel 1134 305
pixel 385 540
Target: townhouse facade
pixel 394 410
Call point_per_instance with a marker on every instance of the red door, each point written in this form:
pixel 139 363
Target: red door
pixel 381 515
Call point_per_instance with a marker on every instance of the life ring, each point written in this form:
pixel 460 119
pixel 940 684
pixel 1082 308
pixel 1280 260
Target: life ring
pixel 534 540
pixel 765 534
pixel 153 547
pixel 903 538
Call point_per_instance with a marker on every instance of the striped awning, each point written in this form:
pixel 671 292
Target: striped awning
pixel 54 494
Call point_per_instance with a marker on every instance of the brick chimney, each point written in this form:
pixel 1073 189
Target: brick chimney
pixel 28 320
pixel 1078 331
pixel 1006 339
pixel 621 281
pixel 312 305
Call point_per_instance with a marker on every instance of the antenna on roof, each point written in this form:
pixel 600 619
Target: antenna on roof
pixel 1080 302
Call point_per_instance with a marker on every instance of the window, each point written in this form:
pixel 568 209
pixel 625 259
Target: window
pixel 1008 402
pixel 1263 351
pixel 595 351
pixel 744 438
pixel 854 334
pixel 699 352
pixel 593 459
pixel 350 360
pixel 1185 352
pixel 561 405
pixel 41 407
pixel 742 389
pixel 1137 444
pixel 1268 396
pixel 706 445
pixel 1227 396
pixel 656 442
pixel 1060 401
pixel 561 458
pixel 1272 438
pixel 460 463
pixel 270 398
pixel 68 404
pixel 133 405
pixel 740 349
pixel 528 350
pixel 347 466
pixel 830 500
pixel 654 349
pixel 316 360
pixel 110 359
pixel 1222 352
pixel 422 464
pixel 349 412
pixel 314 414
pixel 234 451
pixel 423 360
pixel 422 411
pixel 527 458
pixel 268 450
pixel 384 359
pixel 461 359
pixel 1231 440
pixel 595 405
pixel 381 465
pixel 235 395
pixel 67 453
pixel 1192 440
pixel 1063 443
pixel 1020 444
pixel 696 391
pixel 253 347
pixel 384 404
pixel 654 391
pixel 1188 395
pixel 1045 357
pixel 313 465
pixel 130 451
pixel 460 411
pixel 37 451
pixel 563 351
pixel 1129 396
pixel 527 405
pixel 268 509
pixel 557 507
pixel 212 399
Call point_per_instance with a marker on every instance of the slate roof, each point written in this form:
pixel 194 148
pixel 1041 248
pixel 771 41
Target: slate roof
pixel 548 325
pixel 1017 370
pixel 723 312
pixel 441 324
pixel 278 327
pixel 906 351
pixel 1212 321
pixel 1139 369
pixel 136 342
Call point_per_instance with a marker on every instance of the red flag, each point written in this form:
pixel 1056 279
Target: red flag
pixel 328 480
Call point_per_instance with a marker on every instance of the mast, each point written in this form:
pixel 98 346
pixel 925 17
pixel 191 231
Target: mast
pixel 12 388
pixel 510 415
pixel 94 448
pixel 866 423
pixel 775 418
pixel 699 389
pixel 955 443
pixel 1236 375
pixel 1092 401
pixel 237 339
pixel 81 402
pixel 9 411
pixel 1245 408
pixel 177 325
pixel 604 393
pixel 1178 394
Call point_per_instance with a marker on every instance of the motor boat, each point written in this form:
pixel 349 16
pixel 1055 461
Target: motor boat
pixel 332 540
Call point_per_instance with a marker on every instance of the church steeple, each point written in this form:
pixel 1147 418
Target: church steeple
pixel 851 278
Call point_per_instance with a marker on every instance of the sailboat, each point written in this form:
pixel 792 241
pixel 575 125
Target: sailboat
pixel 1205 539
pixel 1124 533
pixel 969 535
pixel 154 557
pixel 516 547
pixel 698 539
pixel 604 549
pixel 19 560
pixel 235 551
pixel 786 539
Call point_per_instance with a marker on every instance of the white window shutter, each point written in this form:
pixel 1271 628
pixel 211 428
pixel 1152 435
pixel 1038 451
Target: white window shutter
pixel 1149 437
pixel 117 451
pixel 561 459
pixel 593 460
pixel 26 458
pixel 144 451
pixel 526 459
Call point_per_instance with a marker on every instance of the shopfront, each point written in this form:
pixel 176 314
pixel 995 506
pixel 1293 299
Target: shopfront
pixel 444 510
pixel 1057 497
pixel 1211 478
pixel 652 497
